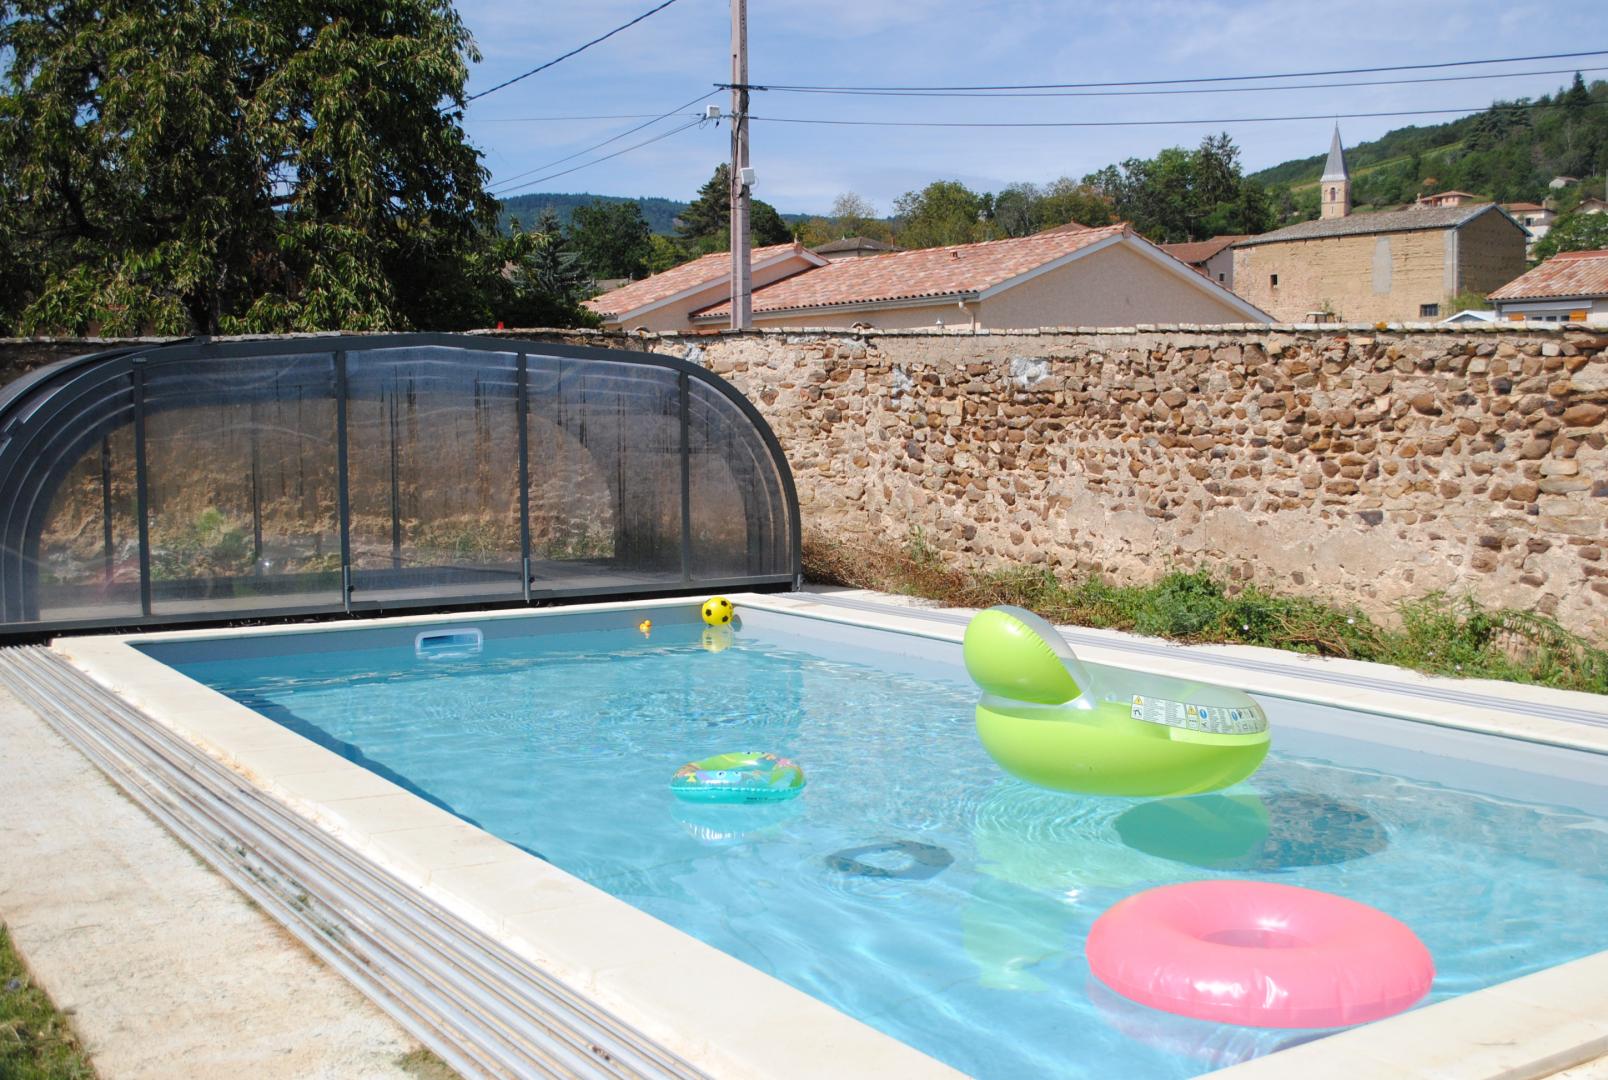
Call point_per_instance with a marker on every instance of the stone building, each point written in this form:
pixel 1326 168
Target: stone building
pixel 1214 257
pixel 1396 266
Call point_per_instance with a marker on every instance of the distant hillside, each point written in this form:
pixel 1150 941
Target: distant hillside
pixel 660 213
pixel 1506 153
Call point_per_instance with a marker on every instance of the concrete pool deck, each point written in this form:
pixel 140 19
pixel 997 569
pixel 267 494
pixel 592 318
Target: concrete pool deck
pixel 166 970
pixel 1532 1027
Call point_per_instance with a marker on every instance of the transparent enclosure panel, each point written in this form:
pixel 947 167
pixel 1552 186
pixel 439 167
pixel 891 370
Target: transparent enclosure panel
pixel 740 524
pixel 605 474
pixel 241 470
pixel 433 467
pixel 87 556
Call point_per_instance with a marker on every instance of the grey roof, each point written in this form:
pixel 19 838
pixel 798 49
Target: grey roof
pixel 1390 221
pixel 1336 168
pixel 853 243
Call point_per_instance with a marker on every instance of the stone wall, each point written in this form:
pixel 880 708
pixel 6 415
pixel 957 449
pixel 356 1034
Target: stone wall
pixel 1364 466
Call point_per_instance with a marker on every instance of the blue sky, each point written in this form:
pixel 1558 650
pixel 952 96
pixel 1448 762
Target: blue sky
pixel 680 52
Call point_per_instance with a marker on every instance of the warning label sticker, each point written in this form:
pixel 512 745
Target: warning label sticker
pixel 1216 719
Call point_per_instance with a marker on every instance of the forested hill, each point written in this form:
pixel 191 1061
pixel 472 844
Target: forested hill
pixel 1507 153
pixel 659 213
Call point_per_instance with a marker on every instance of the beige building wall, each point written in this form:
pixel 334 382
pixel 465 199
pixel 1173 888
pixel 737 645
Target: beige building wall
pixel 1383 277
pixel 1115 286
pixel 1379 277
pixel 1490 253
pixel 1220 268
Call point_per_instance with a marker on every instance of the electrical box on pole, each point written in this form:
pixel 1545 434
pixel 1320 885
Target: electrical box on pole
pixel 741 174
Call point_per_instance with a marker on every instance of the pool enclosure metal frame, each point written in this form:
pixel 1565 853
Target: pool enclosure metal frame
pixel 45 404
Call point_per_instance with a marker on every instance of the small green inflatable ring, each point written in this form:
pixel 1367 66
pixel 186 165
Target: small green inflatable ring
pixel 1045 719
pixel 747 777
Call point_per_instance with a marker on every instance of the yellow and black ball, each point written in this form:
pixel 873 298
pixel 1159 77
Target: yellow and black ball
pixel 717 611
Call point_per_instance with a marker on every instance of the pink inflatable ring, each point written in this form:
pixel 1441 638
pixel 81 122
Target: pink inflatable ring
pixel 1257 954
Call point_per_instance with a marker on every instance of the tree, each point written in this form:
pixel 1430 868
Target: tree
pixel 944 212
pixel 705 225
pixel 541 278
pixel 1577 232
pixel 612 238
pixel 853 215
pixel 1182 195
pixel 1065 201
pixel 240 165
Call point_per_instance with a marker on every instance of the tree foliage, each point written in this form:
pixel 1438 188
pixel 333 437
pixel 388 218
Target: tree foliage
pixel 1577 232
pixel 1181 195
pixel 241 166
pixel 705 226
pixel 612 238
pixel 1509 152
pixel 944 212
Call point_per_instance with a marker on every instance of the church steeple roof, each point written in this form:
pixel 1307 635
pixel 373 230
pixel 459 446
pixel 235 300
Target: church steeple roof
pixel 1336 168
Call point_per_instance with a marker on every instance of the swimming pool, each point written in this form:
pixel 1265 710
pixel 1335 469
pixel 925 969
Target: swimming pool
pixel 914 886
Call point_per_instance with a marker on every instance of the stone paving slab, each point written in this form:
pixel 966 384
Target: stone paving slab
pixel 167 970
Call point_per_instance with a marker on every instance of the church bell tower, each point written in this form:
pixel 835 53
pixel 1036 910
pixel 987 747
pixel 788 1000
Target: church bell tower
pixel 1334 190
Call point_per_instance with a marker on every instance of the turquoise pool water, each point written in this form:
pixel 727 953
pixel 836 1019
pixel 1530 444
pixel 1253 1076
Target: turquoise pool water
pixel 914 885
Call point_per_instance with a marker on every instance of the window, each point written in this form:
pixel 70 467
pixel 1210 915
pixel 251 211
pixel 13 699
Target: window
pixel 1332 194
pixel 1273 280
pixel 1428 311
pixel 1221 277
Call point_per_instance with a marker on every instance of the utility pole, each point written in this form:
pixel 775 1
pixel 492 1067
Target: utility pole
pixel 740 288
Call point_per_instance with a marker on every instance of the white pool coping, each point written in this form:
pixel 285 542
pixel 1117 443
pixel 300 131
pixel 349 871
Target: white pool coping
pixel 729 1019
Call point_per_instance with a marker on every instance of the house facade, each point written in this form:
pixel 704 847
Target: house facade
pixel 1569 287
pixel 1214 257
pixel 1084 277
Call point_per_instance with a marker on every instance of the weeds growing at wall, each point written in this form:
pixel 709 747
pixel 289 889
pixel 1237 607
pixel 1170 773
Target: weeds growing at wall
pixel 1439 634
pixel 36 1042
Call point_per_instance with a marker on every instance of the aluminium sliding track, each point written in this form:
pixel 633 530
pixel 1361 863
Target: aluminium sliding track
pixel 483 1010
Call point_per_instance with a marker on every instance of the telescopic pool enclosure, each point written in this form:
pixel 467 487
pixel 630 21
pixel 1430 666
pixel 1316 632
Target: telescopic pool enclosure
pixel 222 480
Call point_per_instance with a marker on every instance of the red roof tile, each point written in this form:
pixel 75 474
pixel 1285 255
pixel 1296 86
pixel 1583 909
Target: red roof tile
pixel 678 279
pixel 913 275
pixel 1523 206
pixel 1201 250
pixel 1573 273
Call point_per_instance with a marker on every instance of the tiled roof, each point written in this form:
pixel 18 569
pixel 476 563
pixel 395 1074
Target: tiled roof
pixel 1448 195
pixel 704 271
pixel 1201 250
pixel 912 275
pixel 1426 217
pixel 1522 206
pixel 1573 273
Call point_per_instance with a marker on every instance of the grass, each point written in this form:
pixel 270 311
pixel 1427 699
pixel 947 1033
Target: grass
pixel 36 1040
pixel 1439 634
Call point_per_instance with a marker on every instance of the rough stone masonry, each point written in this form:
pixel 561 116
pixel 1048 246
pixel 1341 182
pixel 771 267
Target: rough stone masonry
pixel 1360 465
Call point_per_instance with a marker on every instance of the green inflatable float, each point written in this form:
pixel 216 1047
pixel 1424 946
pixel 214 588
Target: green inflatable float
pixel 1048 720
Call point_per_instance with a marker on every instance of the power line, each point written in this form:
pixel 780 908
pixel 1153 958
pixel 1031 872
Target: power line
pixel 572 52
pixel 588 164
pixel 1202 79
pixel 1202 90
pixel 556 119
pixel 1136 123
pixel 598 146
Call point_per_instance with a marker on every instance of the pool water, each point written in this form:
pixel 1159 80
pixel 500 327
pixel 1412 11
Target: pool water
pixel 914 885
